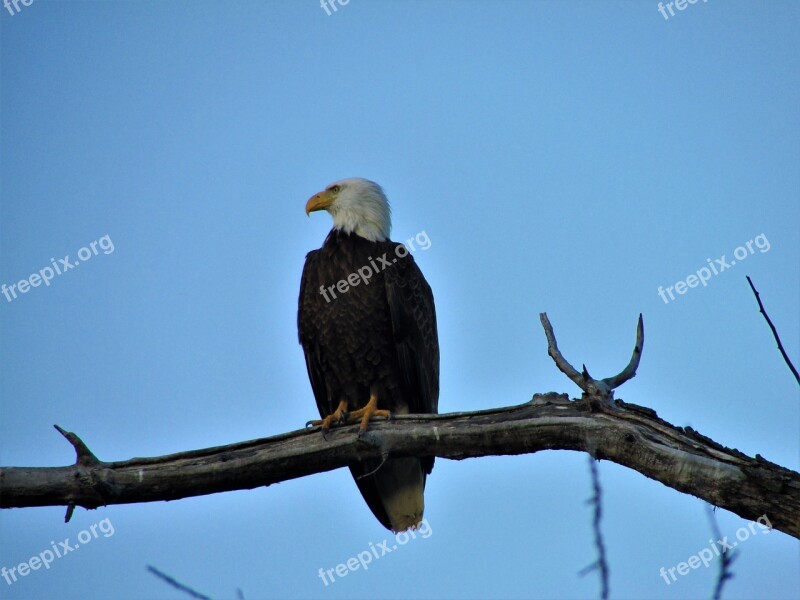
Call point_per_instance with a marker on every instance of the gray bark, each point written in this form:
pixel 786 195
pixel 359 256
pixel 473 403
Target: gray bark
pixel 631 436
pixel 606 428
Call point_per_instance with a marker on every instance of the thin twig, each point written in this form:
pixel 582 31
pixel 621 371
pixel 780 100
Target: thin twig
pixel 629 372
pixel 601 563
pixel 774 331
pixel 561 362
pixel 177 584
pixel 726 558
pixel 83 456
pixel 376 469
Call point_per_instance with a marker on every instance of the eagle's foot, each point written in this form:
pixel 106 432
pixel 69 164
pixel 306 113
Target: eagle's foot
pixel 337 417
pixel 366 414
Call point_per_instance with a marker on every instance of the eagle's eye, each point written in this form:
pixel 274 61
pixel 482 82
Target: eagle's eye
pixel 335 189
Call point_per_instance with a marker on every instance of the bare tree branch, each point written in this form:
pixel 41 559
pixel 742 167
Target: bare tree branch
pixel 774 331
pixel 629 372
pixel 177 584
pixel 561 362
pixel 84 458
pixel 603 388
pixel 607 429
pixel 630 436
pixel 725 560
pixel 601 563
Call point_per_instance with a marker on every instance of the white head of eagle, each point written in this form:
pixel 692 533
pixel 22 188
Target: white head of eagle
pixel 357 206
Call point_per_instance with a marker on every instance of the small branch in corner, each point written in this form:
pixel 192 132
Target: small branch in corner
pixel 774 331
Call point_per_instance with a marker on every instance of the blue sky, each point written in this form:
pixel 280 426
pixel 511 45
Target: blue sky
pixel 568 157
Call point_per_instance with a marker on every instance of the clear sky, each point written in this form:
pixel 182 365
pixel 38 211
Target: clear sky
pixel 569 157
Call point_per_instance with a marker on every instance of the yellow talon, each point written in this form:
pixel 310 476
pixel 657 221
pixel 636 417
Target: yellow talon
pixel 369 412
pixel 337 416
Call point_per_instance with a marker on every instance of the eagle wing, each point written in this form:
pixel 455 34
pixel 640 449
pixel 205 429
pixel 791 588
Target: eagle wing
pixel 310 349
pixel 416 339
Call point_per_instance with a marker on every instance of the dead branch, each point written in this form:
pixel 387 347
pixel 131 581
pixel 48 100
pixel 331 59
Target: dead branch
pixel 601 564
pixel 177 584
pixel 725 560
pixel 607 429
pixel 763 311
pixel 603 388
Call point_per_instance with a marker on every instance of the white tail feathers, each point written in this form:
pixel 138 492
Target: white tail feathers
pixel 400 485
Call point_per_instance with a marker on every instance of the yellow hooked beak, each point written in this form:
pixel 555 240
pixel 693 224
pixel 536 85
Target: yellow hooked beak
pixel 319 201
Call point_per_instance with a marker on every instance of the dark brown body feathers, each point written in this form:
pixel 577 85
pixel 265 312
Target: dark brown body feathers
pixel 379 335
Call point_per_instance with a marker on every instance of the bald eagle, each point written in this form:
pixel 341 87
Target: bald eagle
pixel 367 324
